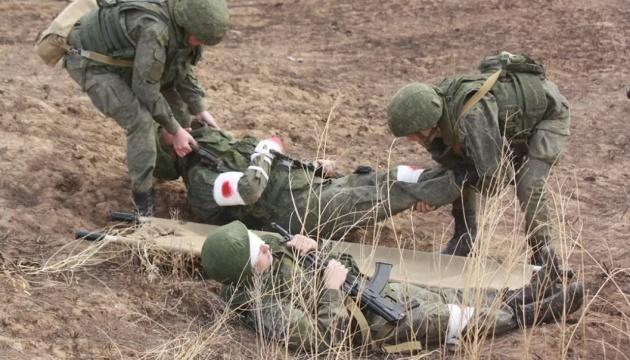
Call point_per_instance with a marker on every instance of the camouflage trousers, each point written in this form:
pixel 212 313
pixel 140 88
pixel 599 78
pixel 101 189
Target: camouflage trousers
pixel 530 180
pixel 430 310
pixel 111 93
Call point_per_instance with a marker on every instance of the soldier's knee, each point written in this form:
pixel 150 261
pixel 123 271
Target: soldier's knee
pixel 121 105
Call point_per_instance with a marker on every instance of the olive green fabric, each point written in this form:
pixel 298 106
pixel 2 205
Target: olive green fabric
pixel 225 255
pixel 523 115
pixel 162 60
pixel 168 169
pixel 298 200
pixel 288 304
pixel 414 107
pixel 160 87
pixel 208 20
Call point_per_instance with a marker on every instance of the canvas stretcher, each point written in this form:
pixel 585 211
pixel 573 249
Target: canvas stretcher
pixel 410 266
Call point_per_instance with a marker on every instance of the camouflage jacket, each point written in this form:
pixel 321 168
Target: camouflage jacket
pixel 288 304
pixel 162 60
pixel 495 124
pixel 261 202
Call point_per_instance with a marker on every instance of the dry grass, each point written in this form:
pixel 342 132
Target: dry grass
pixel 500 236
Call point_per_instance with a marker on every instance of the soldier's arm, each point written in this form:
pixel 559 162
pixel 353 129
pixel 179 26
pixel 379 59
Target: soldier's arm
pixel 551 134
pixel 483 143
pixel 178 107
pixel 245 188
pixel 191 91
pixel 148 68
pixel 433 186
pixel 283 321
pixel 166 167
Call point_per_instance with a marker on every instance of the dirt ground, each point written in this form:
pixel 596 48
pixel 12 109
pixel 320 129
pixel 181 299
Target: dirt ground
pixel 284 65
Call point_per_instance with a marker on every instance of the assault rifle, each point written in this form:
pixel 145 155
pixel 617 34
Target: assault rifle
pixel 209 158
pixel 368 293
pixel 291 163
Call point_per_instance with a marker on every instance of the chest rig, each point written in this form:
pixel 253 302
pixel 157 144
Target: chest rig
pixel 105 31
pixel 518 92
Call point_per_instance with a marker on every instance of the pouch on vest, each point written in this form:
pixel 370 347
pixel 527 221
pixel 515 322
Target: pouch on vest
pixel 51 44
pixel 519 92
pixel 511 63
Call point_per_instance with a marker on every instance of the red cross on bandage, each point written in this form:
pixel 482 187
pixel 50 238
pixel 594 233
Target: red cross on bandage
pixel 226 189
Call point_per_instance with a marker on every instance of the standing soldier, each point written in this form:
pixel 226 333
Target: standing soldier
pixel 469 122
pixel 134 59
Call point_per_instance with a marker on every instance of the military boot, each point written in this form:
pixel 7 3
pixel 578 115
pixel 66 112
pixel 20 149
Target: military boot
pixel 541 285
pixel 550 309
pixel 465 231
pixel 143 203
pixel 544 255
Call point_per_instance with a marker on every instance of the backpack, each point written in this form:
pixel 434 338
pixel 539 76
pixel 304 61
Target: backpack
pixel 52 44
pixel 511 64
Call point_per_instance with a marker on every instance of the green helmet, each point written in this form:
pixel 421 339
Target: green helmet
pixel 414 107
pixel 225 254
pixel 206 19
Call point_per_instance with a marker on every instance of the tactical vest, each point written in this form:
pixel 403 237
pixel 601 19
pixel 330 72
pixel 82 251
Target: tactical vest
pixel 520 98
pixel 104 30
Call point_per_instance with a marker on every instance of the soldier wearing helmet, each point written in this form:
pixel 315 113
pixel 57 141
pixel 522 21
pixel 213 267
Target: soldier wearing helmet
pixel 510 114
pixel 267 283
pixel 134 59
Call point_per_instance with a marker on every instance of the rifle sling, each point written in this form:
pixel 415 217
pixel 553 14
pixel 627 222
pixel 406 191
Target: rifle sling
pixel 98 57
pixel 384 332
pixel 359 318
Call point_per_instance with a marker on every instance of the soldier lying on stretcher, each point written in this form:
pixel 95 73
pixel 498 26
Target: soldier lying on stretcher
pixel 252 181
pixel 285 300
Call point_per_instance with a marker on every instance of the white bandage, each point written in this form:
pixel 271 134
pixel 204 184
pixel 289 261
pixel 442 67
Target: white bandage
pixel 254 247
pixel 266 157
pixel 259 170
pixel 457 322
pixel 264 147
pixel 225 190
pixel 408 174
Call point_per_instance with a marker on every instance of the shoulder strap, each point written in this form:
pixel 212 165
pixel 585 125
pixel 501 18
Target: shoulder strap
pixel 483 90
pixel 98 57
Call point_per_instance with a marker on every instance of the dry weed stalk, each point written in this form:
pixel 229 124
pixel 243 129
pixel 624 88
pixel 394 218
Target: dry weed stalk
pixel 500 234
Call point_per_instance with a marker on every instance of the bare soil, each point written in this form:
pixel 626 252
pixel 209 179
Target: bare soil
pixel 284 65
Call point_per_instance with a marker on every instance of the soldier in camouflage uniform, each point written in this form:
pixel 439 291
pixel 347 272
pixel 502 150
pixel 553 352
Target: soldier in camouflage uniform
pixel 266 282
pixel 255 185
pixel 522 115
pixel 147 49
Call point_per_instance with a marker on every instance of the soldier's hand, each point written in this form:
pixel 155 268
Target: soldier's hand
pixel 207 118
pixel 334 275
pixel 424 207
pixel 302 244
pixel 328 167
pixel 182 141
